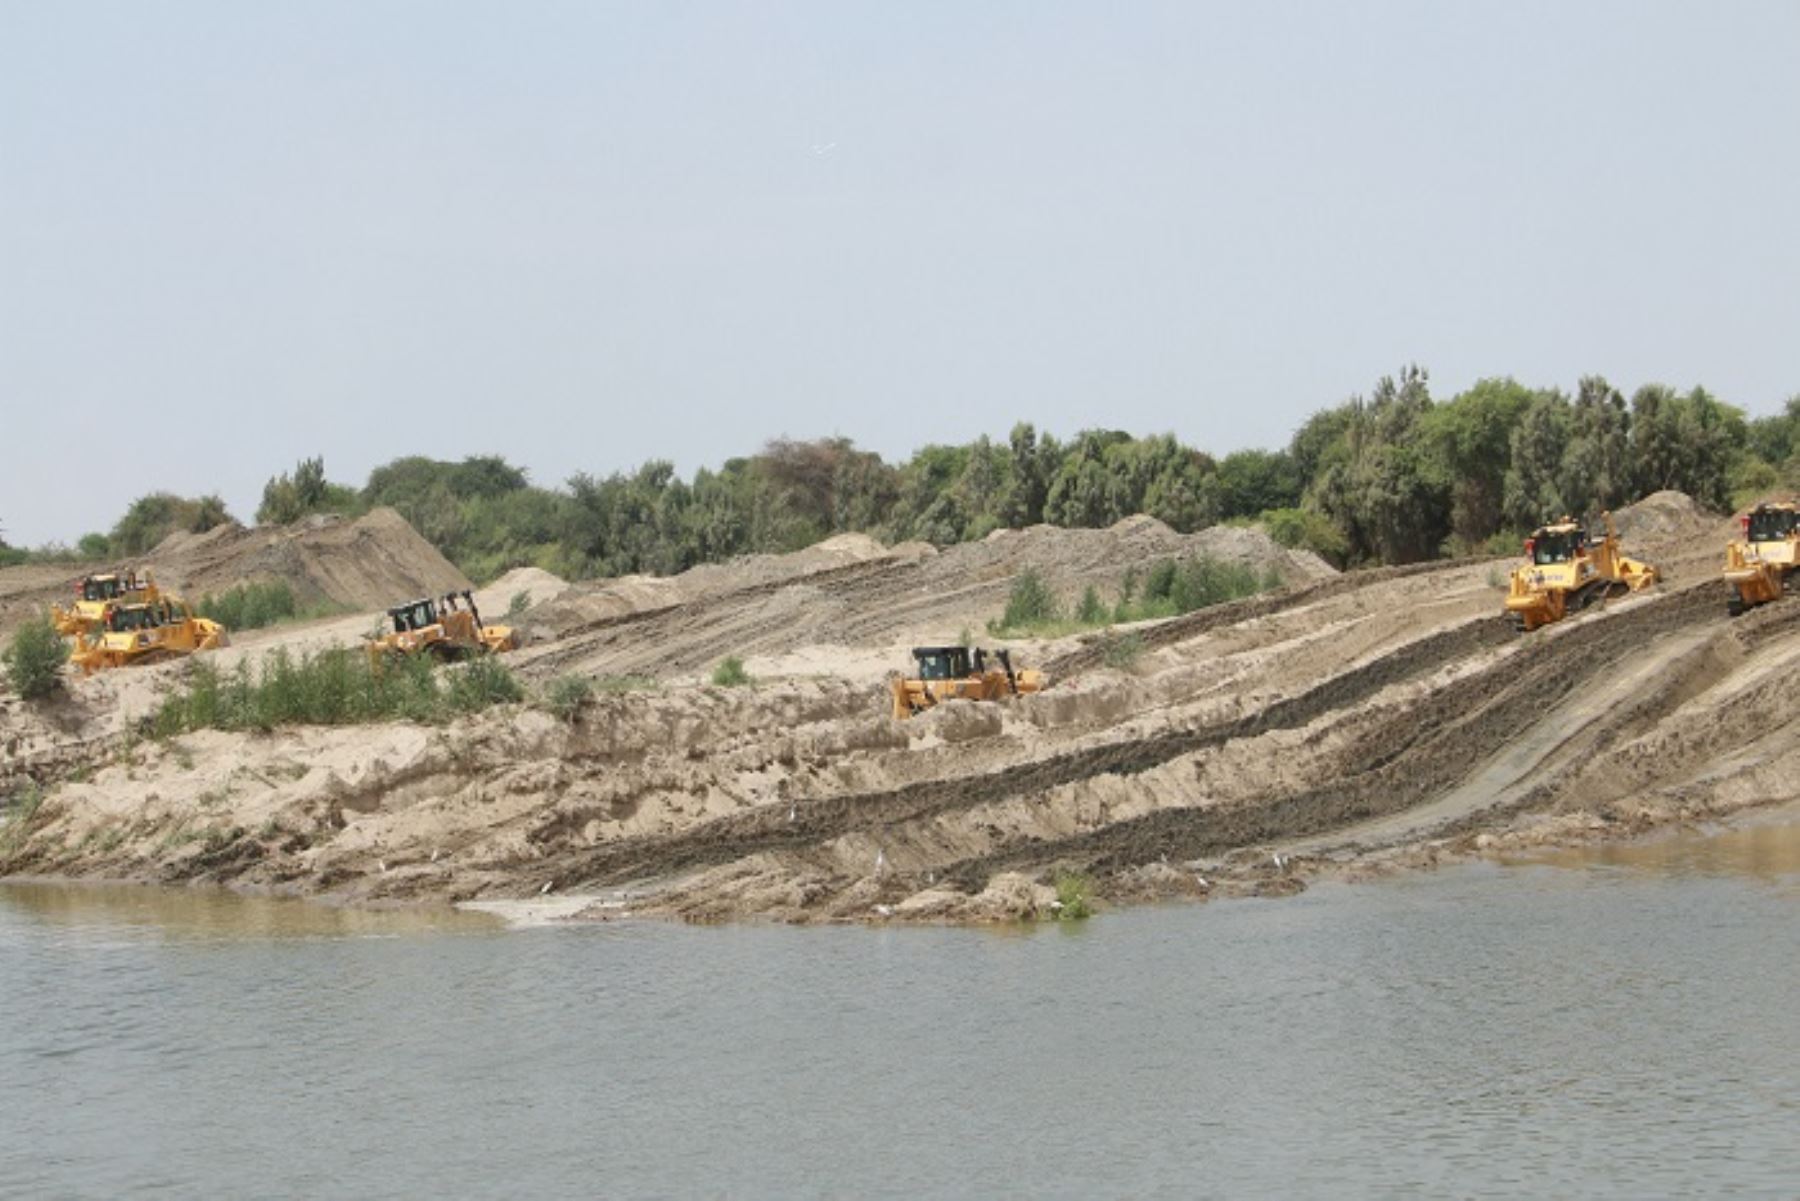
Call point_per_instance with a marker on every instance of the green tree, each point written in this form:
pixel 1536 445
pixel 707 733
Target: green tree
pixel 1538 443
pixel 1254 481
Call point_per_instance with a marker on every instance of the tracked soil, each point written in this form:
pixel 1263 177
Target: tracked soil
pixel 1343 723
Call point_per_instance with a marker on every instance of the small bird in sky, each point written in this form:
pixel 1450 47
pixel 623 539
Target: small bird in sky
pixel 821 149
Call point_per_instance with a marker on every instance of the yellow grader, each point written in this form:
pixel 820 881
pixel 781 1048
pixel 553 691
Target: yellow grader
pixel 441 627
pixel 1760 565
pixel 97 595
pixel 146 632
pixel 960 673
pixel 1564 573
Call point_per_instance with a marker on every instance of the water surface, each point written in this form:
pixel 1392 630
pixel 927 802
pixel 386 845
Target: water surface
pixel 1611 1023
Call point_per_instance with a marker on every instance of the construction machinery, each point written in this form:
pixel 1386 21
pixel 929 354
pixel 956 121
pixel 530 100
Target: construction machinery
pixel 97 595
pixel 1760 565
pixel 1564 573
pixel 146 632
pixel 441 627
pixel 961 673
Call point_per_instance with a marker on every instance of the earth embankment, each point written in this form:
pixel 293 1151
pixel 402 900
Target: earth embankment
pixel 1342 724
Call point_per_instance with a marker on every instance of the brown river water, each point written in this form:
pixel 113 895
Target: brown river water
pixel 1618 1022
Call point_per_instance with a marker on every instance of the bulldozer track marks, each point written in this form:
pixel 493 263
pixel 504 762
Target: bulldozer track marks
pixel 1417 752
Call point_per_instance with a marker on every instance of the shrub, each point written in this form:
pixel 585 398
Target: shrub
pixel 566 694
pixel 1074 895
pixel 730 673
pixel 1122 651
pixel 520 602
pixel 336 686
pixel 1090 611
pixel 1030 602
pixel 35 658
pixel 251 605
pixel 481 682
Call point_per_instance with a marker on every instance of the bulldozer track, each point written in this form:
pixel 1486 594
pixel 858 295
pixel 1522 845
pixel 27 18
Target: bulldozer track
pixel 819 820
pixel 1416 757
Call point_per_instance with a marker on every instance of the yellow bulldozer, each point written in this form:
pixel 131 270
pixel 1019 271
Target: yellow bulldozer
pixel 441 627
pixel 97 595
pixel 146 632
pixel 1760 565
pixel 1564 573
pixel 960 673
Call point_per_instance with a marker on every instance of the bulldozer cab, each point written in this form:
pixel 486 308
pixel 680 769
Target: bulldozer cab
pixel 414 615
pixel 101 588
pixel 1556 544
pixel 1771 524
pixel 942 662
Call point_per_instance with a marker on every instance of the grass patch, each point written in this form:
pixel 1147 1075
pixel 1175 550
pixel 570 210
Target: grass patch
pixel 332 687
pixel 1074 896
pixel 730 673
pixel 21 807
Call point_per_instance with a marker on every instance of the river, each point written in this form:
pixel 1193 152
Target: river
pixel 1621 1022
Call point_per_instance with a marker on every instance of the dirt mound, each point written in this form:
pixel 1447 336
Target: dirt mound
pixel 1663 518
pixel 369 563
pixel 534 584
pixel 373 561
pixel 1683 541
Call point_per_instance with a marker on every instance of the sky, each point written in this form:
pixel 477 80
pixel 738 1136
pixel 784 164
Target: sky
pixel 583 235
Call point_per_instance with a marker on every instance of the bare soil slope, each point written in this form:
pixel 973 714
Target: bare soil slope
pixel 1347 723
pixel 373 561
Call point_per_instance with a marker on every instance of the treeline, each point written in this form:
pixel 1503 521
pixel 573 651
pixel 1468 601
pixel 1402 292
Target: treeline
pixel 1395 476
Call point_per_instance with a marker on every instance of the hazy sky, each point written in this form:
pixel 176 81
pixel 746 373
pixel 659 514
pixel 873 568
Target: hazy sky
pixel 586 234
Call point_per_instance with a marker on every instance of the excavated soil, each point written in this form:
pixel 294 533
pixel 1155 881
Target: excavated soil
pixel 1346 724
pixel 369 563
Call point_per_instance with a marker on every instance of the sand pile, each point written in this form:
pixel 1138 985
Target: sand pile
pixel 1663 519
pixel 369 563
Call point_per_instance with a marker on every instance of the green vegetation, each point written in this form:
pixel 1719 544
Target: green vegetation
pixel 1030 604
pixel 287 498
pixel 152 518
pixel 262 603
pixel 337 686
pixel 730 673
pixel 567 694
pixel 1171 587
pixel 21 807
pixel 1074 896
pixel 1122 651
pixel 1393 476
pixel 34 659
pixel 520 602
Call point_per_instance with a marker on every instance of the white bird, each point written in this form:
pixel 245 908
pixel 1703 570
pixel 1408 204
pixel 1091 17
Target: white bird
pixel 793 809
pixel 434 854
pixel 1202 882
pixel 880 861
pixel 548 885
pixel 382 864
pixel 1280 863
pixel 821 150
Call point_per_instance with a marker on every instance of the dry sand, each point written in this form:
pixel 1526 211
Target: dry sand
pixel 1347 724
